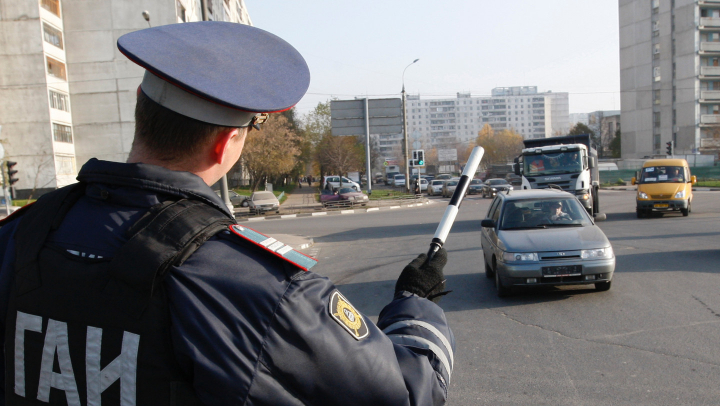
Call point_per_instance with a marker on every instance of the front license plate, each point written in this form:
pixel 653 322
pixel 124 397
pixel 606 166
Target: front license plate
pixel 660 205
pixel 558 271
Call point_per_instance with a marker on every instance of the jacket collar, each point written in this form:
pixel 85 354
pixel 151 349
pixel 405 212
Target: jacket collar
pixel 153 178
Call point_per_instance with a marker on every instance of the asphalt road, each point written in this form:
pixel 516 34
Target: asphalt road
pixel 653 339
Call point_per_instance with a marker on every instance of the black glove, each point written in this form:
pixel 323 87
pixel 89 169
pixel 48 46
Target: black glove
pixel 424 280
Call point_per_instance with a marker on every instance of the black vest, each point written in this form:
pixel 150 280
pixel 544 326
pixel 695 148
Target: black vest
pixel 88 331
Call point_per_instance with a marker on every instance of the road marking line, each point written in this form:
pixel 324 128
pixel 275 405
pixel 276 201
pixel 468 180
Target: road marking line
pixel 373 209
pixel 287 216
pixel 322 213
pixel 394 207
pixel 255 218
pixel 347 211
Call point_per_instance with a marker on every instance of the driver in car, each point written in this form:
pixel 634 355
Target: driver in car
pixel 556 212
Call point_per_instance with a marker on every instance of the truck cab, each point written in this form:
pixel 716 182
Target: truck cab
pixel 572 167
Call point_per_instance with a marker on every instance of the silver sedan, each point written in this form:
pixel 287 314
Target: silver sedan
pixel 544 237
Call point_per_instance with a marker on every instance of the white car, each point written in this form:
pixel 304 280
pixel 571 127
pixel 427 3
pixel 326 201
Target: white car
pixel 260 202
pixel 334 182
pixel 435 187
pixel 423 185
pixel 399 180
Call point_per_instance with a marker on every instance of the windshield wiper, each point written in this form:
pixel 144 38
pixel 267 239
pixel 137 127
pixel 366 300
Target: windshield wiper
pixel 561 225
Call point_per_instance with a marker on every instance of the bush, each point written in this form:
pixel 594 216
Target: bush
pixel 620 182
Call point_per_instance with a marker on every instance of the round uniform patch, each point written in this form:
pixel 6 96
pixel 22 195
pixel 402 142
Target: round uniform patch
pixel 345 314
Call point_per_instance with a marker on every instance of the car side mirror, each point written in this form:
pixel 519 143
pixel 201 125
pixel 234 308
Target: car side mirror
pixel 489 223
pixel 600 216
pixel 592 162
pixel 633 180
pixel 693 179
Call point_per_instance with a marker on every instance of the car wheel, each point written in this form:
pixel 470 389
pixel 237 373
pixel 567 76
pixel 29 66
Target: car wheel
pixel 502 291
pixel 603 286
pixel 685 212
pixel 244 203
pixel 488 271
pixel 639 213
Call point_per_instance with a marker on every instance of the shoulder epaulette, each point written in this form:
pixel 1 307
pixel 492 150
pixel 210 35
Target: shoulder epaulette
pixel 274 247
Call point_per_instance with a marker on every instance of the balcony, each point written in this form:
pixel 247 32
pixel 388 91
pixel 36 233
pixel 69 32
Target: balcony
pixel 709 2
pixel 707 95
pixel 710 71
pixel 709 47
pixel 710 143
pixel 710 119
pixel 707 22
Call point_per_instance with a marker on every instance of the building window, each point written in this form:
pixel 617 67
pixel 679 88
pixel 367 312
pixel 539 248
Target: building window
pixel 62 133
pixel 65 165
pixel 56 68
pixel 52 36
pixel 59 101
pixel 52 6
pixel 656 73
pixel 656 119
pixel 180 11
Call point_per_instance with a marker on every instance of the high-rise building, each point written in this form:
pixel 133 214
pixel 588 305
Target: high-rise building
pixel 669 76
pixel 449 122
pixel 66 93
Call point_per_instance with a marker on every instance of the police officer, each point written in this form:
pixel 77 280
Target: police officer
pixel 135 286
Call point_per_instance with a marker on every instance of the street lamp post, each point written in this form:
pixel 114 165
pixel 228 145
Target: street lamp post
pixel 405 135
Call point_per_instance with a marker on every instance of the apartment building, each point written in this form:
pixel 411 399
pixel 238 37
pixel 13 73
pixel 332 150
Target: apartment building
pixel 66 93
pixel 670 76
pixel 448 123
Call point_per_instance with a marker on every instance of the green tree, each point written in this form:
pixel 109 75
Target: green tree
pixel 580 128
pixel 615 145
pixel 316 126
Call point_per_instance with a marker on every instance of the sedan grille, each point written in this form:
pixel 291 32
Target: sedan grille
pixel 559 255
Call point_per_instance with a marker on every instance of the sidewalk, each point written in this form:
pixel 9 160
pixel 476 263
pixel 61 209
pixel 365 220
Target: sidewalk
pixel 303 196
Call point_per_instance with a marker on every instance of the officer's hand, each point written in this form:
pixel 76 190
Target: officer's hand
pixel 424 280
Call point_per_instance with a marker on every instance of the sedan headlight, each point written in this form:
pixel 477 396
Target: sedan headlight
pixel 600 253
pixel 494 189
pixel 519 256
pixel 642 195
pixel 680 194
pixel 510 188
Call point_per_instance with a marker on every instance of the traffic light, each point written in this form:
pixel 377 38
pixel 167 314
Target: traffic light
pixel 669 147
pixel 11 172
pixel 421 157
pixel 411 163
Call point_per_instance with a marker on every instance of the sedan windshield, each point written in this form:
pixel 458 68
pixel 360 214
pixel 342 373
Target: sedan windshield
pixel 263 196
pixel 543 213
pixel 663 174
pixel 476 182
pixel 346 190
pixel 497 182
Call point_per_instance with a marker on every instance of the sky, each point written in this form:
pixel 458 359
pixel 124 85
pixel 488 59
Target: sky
pixel 361 48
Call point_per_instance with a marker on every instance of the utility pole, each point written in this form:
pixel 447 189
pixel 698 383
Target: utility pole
pixel 405 134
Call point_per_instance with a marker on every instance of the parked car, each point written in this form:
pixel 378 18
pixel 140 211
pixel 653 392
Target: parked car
pixel 333 182
pixel 435 187
pixel 236 199
pixel 515 180
pixel 443 176
pixel 449 187
pixel 492 186
pixel 261 202
pixel 422 187
pixel 544 237
pixel 475 187
pixel 390 177
pixel 399 180
pixel 344 196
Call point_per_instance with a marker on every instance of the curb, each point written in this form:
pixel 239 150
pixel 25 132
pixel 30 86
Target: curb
pixel 333 213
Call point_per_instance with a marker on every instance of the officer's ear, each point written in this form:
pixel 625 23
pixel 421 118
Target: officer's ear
pixel 224 142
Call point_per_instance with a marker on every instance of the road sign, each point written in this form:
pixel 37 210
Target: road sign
pixel 348 116
pixel 446 155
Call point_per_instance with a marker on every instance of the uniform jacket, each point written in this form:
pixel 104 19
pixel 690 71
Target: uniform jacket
pixel 248 327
